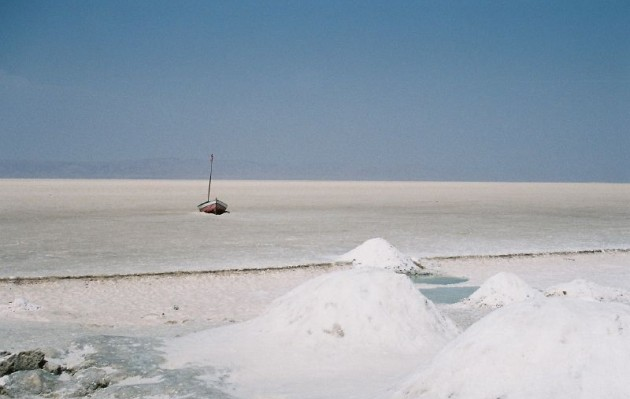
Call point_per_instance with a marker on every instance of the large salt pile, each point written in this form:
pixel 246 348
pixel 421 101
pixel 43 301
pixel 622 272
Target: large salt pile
pixel 588 290
pixel 366 308
pixel 500 290
pixel 364 325
pixel 547 348
pixel 379 253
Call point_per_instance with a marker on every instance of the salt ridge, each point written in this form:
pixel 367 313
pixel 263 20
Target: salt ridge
pixel 584 289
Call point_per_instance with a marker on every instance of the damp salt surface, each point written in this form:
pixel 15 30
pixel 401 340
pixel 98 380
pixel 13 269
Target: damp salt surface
pixel 93 227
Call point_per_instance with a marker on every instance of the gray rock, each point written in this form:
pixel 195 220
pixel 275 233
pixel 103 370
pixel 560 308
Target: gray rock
pixel 29 360
pixel 115 367
pixel 53 368
pixel 30 382
pixel 6 363
pixel 90 380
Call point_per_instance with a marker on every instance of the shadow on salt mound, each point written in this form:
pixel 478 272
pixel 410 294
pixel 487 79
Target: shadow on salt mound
pixel 547 348
pixel 379 253
pixel 500 290
pixel 367 308
pixel 588 290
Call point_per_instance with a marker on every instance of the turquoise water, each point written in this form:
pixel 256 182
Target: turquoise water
pixel 441 289
pixel 447 295
pixel 437 280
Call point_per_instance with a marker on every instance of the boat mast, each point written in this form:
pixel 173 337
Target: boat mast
pixel 210 179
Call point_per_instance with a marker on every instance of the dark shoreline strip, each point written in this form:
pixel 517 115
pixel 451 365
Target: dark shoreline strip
pixel 531 254
pixel 175 273
pixel 254 270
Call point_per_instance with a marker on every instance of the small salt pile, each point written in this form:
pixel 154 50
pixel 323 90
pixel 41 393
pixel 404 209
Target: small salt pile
pixel 379 253
pixel 500 290
pixel 22 304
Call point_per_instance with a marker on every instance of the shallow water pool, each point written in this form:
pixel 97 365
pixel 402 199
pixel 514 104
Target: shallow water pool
pixel 439 289
pixel 447 295
pixel 437 280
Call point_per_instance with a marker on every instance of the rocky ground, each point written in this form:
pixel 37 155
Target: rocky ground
pixel 98 367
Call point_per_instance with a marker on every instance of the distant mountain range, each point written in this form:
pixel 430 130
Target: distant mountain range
pixel 172 168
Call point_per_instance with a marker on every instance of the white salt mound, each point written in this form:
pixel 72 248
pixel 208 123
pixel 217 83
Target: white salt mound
pixel 379 253
pixel 500 290
pixel 548 348
pixel 366 308
pixel 364 325
pixel 588 290
pixel 21 304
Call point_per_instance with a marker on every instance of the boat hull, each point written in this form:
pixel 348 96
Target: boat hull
pixel 216 207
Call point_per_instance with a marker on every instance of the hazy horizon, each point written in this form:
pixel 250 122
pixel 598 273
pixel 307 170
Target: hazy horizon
pixel 197 169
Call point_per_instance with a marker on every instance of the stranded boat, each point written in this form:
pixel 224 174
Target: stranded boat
pixel 215 206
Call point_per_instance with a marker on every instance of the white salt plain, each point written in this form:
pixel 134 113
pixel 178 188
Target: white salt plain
pixel 82 227
pixel 546 326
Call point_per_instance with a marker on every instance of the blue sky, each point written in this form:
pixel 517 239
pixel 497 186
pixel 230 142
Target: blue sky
pixel 436 90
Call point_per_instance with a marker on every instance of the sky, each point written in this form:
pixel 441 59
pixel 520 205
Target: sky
pixel 405 90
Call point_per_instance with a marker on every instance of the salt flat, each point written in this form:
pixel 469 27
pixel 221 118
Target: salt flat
pixel 93 227
pixel 130 270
